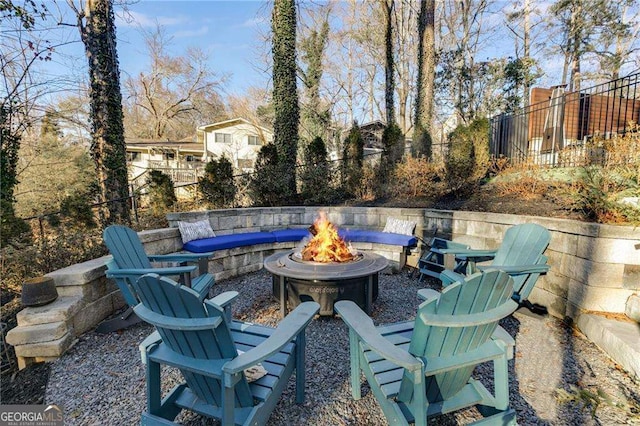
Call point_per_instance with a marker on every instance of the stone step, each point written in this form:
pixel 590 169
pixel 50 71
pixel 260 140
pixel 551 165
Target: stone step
pixel 39 333
pixel 619 339
pixel 46 351
pixel 60 309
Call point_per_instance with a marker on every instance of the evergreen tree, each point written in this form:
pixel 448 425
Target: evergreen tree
pixel 285 96
pixel 315 182
pixel 267 183
pixel 217 187
pixel 162 194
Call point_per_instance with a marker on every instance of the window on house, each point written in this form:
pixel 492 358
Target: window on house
pixel 133 156
pixel 223 137
pixel 191 158
pixel 253 140
pixel 169 156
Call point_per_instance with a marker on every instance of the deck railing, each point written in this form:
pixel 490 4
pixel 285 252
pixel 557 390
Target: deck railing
pixel 561 129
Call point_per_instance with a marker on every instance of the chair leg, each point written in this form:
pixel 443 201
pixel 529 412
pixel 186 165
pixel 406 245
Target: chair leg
pixel 501 382
pixel 154 400
pixel 300 369
pixel 355 365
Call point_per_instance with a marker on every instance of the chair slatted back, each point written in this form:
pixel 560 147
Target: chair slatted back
pixel 479 294
pixel 165 297
pixel 125 247
pixel 522 245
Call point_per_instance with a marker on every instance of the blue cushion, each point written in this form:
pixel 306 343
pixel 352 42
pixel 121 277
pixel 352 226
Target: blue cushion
pixel 365 236
pixel 222 242
pixel 286 235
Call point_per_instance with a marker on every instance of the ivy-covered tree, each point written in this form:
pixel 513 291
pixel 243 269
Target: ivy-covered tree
pixel 285 96
pixel 162 195
pixel 267 183
pixel 315 179
pixel 108 149
pixel 217 187
pixel 352 158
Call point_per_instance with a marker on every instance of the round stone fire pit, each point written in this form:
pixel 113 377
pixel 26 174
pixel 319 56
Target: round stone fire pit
pixel 296 280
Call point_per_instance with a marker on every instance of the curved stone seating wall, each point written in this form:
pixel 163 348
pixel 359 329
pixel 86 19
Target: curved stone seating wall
pixel 593 267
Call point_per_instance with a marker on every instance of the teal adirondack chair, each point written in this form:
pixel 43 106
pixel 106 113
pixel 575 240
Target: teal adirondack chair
pixel 520 255
pixel 130 262
pixel 432 263
pixel 199 340
pixel 423 368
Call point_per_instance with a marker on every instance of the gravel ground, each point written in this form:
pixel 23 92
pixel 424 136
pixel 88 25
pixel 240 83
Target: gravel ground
pixel 101 380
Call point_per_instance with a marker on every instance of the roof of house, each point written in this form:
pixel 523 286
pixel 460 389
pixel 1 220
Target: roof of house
pixel 149 145
pixel 232 122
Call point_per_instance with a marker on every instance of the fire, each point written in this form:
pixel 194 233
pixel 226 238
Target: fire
pixel 326 245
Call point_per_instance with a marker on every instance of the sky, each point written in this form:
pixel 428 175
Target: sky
pixel 228 31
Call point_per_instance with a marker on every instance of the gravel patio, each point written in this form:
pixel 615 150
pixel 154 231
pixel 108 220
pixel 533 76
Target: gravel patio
pixel 102 381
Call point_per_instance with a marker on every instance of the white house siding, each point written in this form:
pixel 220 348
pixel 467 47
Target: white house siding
pixel 238 151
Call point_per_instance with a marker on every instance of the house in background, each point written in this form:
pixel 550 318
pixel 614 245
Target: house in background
pixel 184 161
pixel 238 139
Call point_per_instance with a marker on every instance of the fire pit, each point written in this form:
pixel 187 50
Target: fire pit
pixel 325 270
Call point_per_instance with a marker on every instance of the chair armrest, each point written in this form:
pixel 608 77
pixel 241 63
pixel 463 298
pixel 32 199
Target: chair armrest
pixel 449 277
pixel 287 330
pixel 362 325
pixel 179 257
pixel 428 294
pixel 175 270
pixel 516 269
pixel 465 253
pixel 224 299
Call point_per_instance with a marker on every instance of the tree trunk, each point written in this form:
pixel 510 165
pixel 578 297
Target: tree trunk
pixel 108 148
pixel 425 80
pixel 389 85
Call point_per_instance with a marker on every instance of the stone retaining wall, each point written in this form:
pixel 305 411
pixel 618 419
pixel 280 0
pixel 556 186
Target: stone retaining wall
pixel 593 267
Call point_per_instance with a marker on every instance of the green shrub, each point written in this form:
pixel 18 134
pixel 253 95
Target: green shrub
pixel 315 182
pixel 161 195
pixel 268 185
pixel 598 191
pixel 468 157
pixel 352 157
pixel 217 187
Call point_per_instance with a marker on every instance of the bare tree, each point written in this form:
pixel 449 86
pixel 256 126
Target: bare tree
pixel 175 94
pixel 389 84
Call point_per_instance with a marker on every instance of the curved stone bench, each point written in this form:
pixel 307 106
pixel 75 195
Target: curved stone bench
pixel 594 267
pixel 266 242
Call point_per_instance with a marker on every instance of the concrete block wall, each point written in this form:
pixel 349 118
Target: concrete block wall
pixel 593 267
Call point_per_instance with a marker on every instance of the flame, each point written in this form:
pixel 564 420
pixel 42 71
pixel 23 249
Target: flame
pixel 326 245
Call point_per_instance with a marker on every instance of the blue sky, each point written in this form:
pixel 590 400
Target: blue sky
pixel 227 30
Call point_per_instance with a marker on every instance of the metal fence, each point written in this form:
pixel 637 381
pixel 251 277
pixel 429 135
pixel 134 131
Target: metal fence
pixel 561 129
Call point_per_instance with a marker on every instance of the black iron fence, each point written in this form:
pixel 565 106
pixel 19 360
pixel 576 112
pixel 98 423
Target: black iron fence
pixel 565 129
